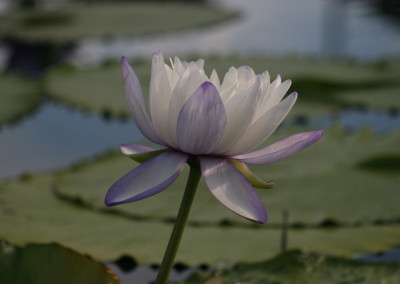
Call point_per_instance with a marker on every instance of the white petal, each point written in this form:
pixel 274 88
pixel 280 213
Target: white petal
pixel 262 128
pixel 137 104
pixel 190 80
pixel 214 79
pixel 160 95
pixel 229 84
pixel 179 66
pixel 239 111
pixel 232 189
pixel 274 94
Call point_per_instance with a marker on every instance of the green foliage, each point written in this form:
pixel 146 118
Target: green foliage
pixel 302 267
pixel 72 22
pixel 382 163
pixel 18 97
pixel 49 264
pixel 334 208
pixel 320 185
pixel 323 86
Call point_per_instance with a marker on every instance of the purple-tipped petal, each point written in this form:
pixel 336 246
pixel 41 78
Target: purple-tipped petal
pixel 140 153
pixel 232 189
pixel 147 179
pixel 134 95
pixel 280 149
pixel 202 120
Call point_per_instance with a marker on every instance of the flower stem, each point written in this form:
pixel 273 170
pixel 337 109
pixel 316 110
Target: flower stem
pixel 179 226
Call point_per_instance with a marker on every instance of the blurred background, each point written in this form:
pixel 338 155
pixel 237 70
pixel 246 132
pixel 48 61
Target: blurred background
pixel 63 115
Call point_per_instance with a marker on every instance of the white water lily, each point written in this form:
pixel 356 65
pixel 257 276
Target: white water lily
pixel 219 123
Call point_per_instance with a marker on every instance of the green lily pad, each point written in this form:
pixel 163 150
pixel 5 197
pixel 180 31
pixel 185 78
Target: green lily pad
pixel 31 212
pixel 18 97
pixel 71 22
pixel 322 85
pixel 48 264
pixel 303 267
pixel 322 183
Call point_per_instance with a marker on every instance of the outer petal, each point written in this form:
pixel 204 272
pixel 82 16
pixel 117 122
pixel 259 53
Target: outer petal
pixel 134 95
pixel 262 128
pixel 201 122
pixel 160 94
pixel 232 189
pixel 281 149
pixel 147 179
pixel 190 80
pixel 140 153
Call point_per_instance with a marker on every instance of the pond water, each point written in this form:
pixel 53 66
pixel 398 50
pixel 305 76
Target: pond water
pixel 57 136
pixel 320 28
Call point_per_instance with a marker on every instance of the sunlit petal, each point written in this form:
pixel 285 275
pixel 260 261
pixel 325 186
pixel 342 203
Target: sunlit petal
pixel 262 128
pixel 232 189
pixel 281 149
pixel 190 80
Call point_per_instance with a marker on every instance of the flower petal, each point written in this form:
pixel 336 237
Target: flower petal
pixel 239 111
pixel 272 95
pixel 201 122
pixel 214 79
pixel 229 84
pixel 134 95
pixel 190 80
pixel 147 179
pixel 262 128
pixel 140 153
pixel 232 189
pixel 160 94
pixel 281 149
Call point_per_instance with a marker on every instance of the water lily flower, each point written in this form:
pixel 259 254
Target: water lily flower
pixel 220 123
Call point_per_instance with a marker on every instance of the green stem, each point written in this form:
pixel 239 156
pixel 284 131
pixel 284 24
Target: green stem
pixel 179 226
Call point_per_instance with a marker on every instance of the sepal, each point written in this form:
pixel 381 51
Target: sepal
pixel 251 177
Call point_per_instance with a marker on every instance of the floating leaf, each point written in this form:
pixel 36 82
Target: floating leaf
pixel 322 85
pixel 303 267
pixel 18 97
pixel 322 183
pixel 48 264
pixel 72 22
pixel 30 212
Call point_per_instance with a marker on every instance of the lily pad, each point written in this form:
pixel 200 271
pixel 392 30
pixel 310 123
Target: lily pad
pixel 71 22
pixel 30 212
pixel 48 264
pixel 303 267
pixel 322 85
pixel 18 97
pixel 319 184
